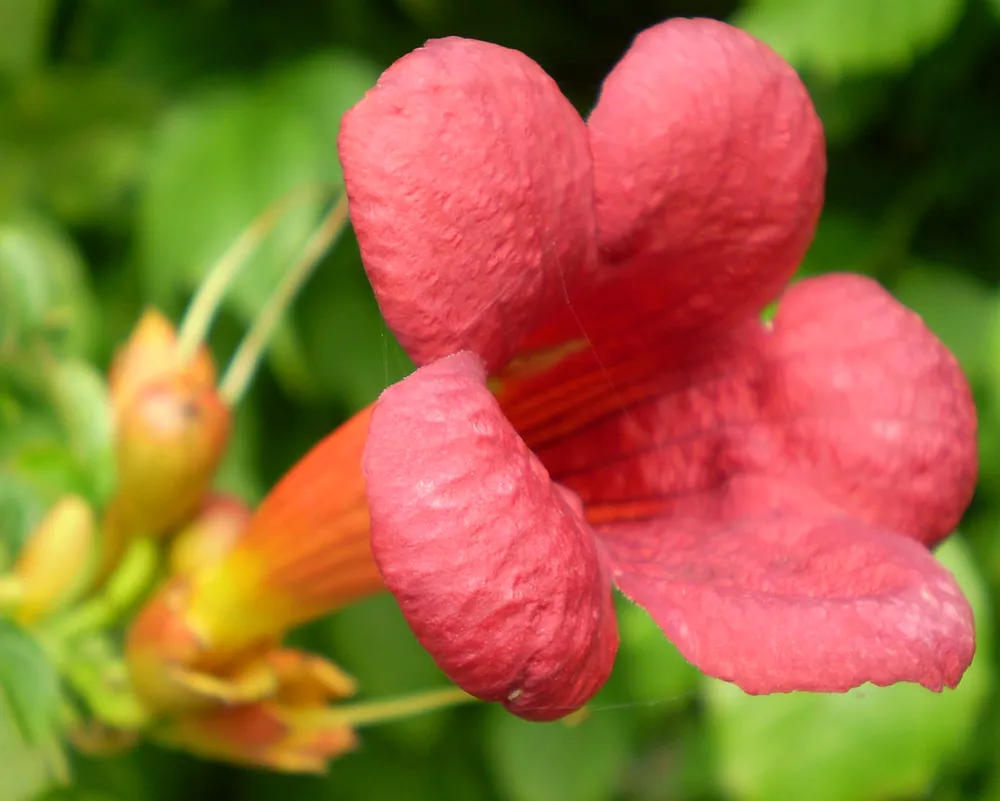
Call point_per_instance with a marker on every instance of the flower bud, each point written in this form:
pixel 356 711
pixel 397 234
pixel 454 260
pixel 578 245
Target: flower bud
pixel 171 438
pixel 56 563
pixel 221 521
pixel 151 354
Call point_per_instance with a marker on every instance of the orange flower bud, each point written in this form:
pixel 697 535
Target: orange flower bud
pixel 57 562
pixel 306 551
pixel 151 354
pixel 210 536
pixel 171 438
pixel 266 735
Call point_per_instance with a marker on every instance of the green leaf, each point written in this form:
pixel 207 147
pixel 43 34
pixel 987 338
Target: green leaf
pixel 29 685
pixel 80 397
pixel 869 744
pixel 558 761
pixel 371 639
pixel 354 356
pixel 44 295
pixel 225 156
pixel 956 307
pixel 24 27
pixel 652 669
pixel 842 37
pixel 26 771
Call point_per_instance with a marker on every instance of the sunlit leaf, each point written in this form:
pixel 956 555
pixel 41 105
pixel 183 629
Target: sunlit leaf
pixel 839 37
pixel 869 744
pixel 29 685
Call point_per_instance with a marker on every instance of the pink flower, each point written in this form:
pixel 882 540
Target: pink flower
pixel 598 402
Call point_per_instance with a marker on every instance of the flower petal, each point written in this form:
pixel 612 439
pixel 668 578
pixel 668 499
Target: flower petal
pixel 471 194
pixel 495 570
pixel 849 395
pixel 709 166
pixel 788 601
pixel 881 416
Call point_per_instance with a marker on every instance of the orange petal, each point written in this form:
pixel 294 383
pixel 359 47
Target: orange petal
pixel 261 735
pixel 306 552
pixel 305 679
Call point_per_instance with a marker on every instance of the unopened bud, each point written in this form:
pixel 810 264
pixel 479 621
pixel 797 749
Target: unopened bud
pixel 151 354
pixel 171 439
pixel 57 561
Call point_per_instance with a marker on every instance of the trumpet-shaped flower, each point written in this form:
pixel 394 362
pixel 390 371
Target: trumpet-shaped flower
pixel 598 402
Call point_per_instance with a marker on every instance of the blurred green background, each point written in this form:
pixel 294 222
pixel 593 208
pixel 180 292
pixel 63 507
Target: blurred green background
pixel 138 137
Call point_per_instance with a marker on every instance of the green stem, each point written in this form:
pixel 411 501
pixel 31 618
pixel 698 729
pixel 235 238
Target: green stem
pixel 207 300
pixel 371 713
pixel 129 583
pixel 244 363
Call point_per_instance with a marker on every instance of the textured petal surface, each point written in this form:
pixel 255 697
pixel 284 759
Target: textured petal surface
pixel 492 564
pixel 709 166
pixel 471 194
pixel 848 394
pixel 844 427
pixel 787 601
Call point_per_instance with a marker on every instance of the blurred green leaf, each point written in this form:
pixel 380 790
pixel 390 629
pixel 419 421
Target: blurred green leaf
pixel 956 307
pixel 353 355
pixel 44 293
pixel 29 685
pixel 839 37
pixel 557 761
pixel 372 640
pixel 26 771
pixel 80 397
pixel 225 156
pixel 24 28
pixel 869 744
pixel 21 509
pixel 652 668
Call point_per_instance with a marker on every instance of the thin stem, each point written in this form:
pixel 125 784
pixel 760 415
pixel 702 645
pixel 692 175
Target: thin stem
pixel 244 363
pixel 374 712
pixel 126 586
pixel 207 300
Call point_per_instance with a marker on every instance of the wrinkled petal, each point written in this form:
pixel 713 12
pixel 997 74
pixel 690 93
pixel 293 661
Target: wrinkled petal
pixel 471 194
pixel 809 448
pixel 788 601
pixel 880 417
pixel 495 570
pixel 709 165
